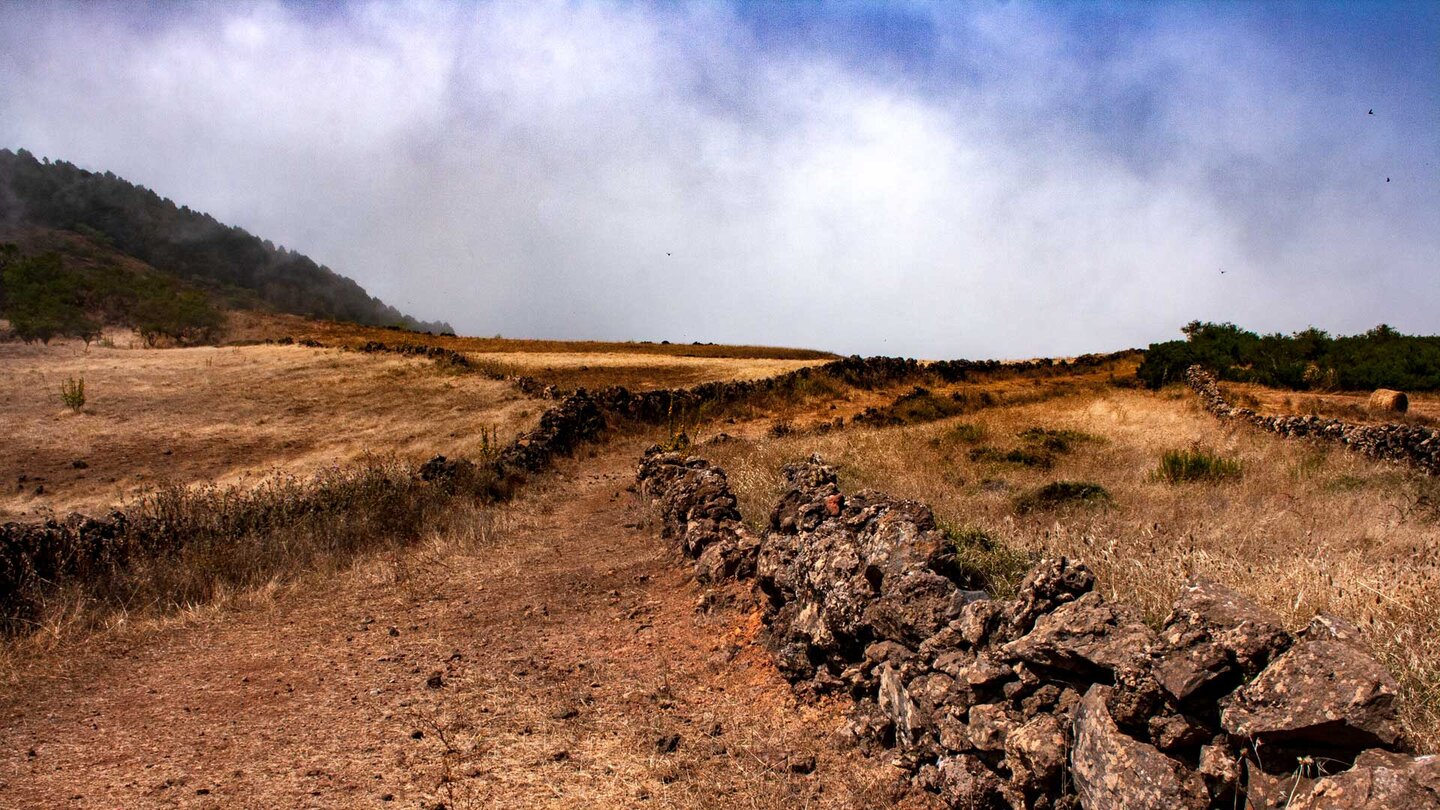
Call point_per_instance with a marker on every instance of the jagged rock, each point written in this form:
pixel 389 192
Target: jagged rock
pixel 897 708
pixel 966 783
pixel 1036 753
pixel 1136 696
pixel 1321 692
pixel 1052 583
pixel 1379 781
pixel 1173 732
pixel 1221 771
pixel 1088 636
pixel 979 619
pixel 989 726
pixel 1214 638
pixel 1114 771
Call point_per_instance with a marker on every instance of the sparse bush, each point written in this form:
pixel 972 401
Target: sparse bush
pixel 1195 464
pixel 1056 441
pixel 72 393
pixel 1063 493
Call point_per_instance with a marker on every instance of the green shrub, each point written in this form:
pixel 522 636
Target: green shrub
pixel 1056 441
pixel 72 393
pixel 1028 456
pixel 1178 466
pixel 1063 493
pixel 965 432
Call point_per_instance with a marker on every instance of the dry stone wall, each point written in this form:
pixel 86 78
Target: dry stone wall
pixel 1057 698
pixel 1411 444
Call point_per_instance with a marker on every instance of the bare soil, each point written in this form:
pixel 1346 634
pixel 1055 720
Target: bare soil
pixel 546 662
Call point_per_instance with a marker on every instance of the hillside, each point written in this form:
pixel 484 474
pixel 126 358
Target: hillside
pixel 47 205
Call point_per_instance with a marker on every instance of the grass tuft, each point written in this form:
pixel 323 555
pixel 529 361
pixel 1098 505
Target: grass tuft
pixel 1195 464
pixel 992 564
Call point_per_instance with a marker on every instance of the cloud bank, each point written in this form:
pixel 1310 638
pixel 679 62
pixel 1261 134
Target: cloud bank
pixel 993 181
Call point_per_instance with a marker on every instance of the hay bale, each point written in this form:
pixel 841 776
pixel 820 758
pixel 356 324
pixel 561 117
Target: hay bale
pixel 1389 401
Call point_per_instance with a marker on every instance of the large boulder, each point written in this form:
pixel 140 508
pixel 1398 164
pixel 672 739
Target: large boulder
pixel 1114 771
pixel 1324 693
pixel 1087 637
pixel 1214 639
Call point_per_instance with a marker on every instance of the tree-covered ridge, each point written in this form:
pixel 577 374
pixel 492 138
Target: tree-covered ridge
pixel 1310 359
pixel 187 244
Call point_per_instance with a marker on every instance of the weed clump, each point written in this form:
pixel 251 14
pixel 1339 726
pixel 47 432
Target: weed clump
pixel 986 560
pixel 1195 464
pixel 1056 441
pixel 72 393
pixel 1063 493
pixel 1028 456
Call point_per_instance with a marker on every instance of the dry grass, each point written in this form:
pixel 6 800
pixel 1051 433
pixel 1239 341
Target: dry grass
pixel 1350 406
pixel 225 415
pixel 1307 529
pixel 634 370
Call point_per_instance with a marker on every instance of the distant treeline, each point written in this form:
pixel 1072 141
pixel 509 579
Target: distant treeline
pixel 1311 359
pixel 190 245
pixel 45 297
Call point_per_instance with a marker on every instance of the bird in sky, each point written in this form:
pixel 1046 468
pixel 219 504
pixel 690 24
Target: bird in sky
pixel 1372 112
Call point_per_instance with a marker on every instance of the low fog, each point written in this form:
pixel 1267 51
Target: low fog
pixel 986 181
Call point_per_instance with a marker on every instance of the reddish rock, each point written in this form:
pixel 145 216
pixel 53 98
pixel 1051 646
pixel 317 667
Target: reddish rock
pixel 1379 781
pixel 1036 754
pixel 990 724
pixel 1113 771
pixel 1325 693
pixel 1221 772
pixel 1174 732
pixel 1213 639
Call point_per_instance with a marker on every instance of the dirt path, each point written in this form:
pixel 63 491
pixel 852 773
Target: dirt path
pixel 563 661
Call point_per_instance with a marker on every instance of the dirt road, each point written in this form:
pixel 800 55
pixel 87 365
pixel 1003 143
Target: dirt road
pixel 563 660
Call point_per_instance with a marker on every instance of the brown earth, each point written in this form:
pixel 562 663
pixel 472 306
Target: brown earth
pixel 568 647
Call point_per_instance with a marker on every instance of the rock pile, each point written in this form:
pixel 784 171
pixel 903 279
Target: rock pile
pixel 698 511
pixel 578 418
pixel 1412 444
pixel 1057 698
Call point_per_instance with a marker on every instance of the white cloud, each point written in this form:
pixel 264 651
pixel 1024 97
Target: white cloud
pixel 525 169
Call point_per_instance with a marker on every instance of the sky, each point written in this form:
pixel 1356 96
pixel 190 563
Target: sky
pixel 935 180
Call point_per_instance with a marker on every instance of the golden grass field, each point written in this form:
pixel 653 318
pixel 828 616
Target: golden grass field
pixel 224 415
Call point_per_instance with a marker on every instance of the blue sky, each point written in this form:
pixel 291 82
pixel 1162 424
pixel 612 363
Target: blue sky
pixel 940 180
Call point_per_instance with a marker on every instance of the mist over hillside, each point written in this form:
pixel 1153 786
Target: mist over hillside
pixel 190 245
